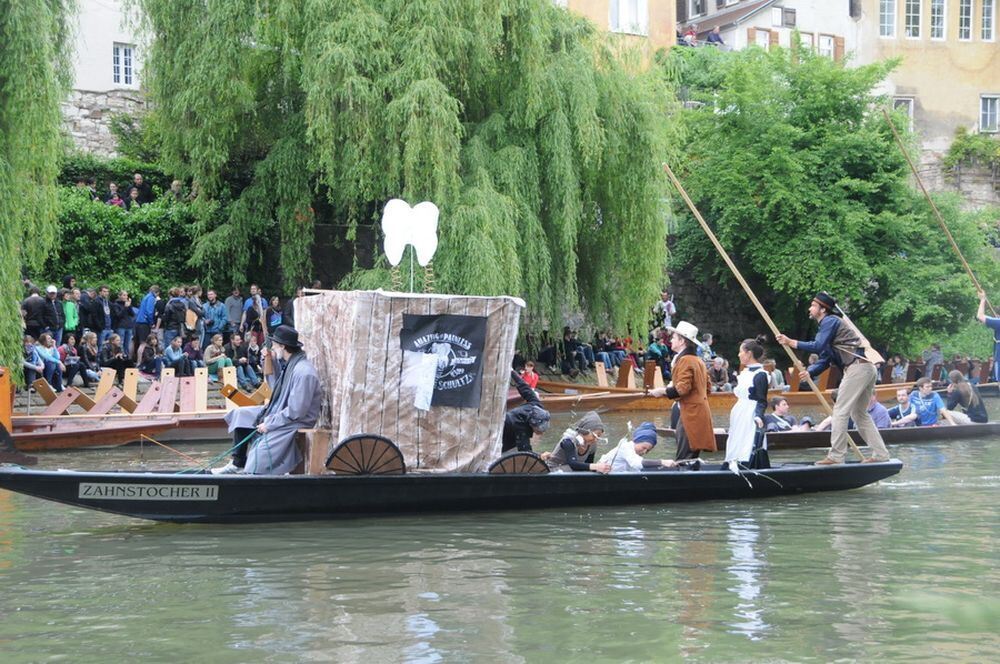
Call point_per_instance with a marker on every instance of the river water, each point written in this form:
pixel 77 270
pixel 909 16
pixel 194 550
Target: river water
pixel 903 570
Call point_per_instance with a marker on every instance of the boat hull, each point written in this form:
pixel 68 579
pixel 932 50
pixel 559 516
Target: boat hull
pixel 76 431
pixel 207 498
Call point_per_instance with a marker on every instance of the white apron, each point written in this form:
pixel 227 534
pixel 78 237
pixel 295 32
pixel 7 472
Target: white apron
pixel 742 428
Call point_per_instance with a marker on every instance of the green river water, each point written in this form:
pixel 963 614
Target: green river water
pixel 906 570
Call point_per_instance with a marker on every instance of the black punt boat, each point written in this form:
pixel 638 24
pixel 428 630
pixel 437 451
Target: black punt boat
pixel 206 498
pixel 800 440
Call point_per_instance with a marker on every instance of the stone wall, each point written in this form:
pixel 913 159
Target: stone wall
pixel 87 117
pixel 979 186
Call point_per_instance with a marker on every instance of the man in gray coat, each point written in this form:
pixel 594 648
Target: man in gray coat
pixel 296 398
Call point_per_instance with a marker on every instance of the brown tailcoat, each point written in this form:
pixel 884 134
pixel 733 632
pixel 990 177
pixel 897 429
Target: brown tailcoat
pixel 690 378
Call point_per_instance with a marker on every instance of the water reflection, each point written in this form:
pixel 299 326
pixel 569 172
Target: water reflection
pixel 745 568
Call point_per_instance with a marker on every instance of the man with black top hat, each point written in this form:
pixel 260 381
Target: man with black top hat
pixel 840 343
pixel 296 398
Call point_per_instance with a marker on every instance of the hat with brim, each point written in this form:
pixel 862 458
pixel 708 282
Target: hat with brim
pixel 287 336
pixel 686 330
pixel 825 300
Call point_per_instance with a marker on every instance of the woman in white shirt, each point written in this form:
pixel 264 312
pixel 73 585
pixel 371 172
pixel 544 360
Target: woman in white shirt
pixel 627 457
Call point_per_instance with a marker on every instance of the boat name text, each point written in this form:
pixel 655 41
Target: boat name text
pixel 148 491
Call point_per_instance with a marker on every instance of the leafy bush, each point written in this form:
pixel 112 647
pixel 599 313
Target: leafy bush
pixel 971 147
pixel 101 243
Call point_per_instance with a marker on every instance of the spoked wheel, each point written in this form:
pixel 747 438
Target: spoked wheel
pixel 519 463
pixel 366 454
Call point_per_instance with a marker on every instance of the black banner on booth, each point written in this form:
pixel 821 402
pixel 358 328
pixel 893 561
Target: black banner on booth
pixel 458 342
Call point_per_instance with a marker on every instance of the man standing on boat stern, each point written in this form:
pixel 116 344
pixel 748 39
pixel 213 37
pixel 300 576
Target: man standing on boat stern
pixel 296 398
pixel 840 343
pixel 994 325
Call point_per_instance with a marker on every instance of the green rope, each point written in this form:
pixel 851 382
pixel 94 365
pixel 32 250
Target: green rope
pixel 214 460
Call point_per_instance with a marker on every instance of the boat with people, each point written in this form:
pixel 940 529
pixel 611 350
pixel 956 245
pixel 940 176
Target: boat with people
pixel 206 498
pixel 800 440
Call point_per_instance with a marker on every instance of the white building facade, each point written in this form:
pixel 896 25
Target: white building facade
pixel 107 70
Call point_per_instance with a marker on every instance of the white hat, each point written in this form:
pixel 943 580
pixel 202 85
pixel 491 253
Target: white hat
pixel 51 289
pixel 686 330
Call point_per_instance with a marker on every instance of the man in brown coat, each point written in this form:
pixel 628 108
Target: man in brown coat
pixel 690 388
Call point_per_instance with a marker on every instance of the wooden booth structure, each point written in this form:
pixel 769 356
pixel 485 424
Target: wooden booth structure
pixel 429 372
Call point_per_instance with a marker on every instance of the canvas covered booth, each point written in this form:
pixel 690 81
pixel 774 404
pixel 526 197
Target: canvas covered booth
pixel 428 372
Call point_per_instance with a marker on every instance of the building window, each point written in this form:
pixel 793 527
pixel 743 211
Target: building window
pixel 807 40
pixel 911 19
pixel 762 38
pixel 629 16
pixel 887 18
pixel 988 107
pixel 965 20
pixel 826 46
pixel 906 105
pixel 776 15
pixel 989 19
pixel 561 3
pixel 121 63
pixel 699 7
pixel 788 17
pixel 938 13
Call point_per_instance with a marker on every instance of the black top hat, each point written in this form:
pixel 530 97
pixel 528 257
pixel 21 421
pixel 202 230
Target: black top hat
pixel 287 336
pixel 826 300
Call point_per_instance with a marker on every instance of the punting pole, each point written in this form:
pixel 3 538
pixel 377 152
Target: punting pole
pixel 752 296
pixel 937 213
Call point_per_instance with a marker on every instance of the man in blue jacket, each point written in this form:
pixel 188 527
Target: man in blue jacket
pixel 994 325
pixel 838 342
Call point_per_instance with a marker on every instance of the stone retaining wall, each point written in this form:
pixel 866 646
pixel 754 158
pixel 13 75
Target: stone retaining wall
pixel 87 117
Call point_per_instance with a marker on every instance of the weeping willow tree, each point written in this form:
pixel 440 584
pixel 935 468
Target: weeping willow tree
pixel 538 140
pixel 33 81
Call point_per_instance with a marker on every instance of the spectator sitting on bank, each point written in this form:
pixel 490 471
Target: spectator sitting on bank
pixel 705 350
pixel 111 193
pixel 900 367
pixel 776 379
pixel 31 363
pixel 176 359
pixel 69 354
pixel 715 37
pixel 54 367
pixel 574 359
pixel 151 356
pixel 691 35
pixel 933 361
pixel 719 376
pixel 116 200
pixel 529 376
pixel 193 350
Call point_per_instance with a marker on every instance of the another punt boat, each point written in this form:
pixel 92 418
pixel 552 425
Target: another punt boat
pixel 718 401
pixel 45 437
pixel 798 440
pixel 210 498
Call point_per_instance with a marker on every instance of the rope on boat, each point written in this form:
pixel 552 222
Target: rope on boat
pixel 143 437
pixel 217 458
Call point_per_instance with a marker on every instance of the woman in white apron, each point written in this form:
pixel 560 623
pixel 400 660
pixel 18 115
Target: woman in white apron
pixel 746 419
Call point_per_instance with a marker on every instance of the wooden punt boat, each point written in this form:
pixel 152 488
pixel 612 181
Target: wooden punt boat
pixel 254 498
pixel 718 401
pixel 564 403
pixel 75 435
pixel 205 425
pixel 798 440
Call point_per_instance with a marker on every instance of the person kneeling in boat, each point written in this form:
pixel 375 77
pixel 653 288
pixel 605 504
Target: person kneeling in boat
pixel 295 402
pixel 578 447
pixel 521 424
pixel 628 456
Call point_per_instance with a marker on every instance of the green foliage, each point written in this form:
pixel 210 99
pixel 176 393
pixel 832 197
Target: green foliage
pixel 972 147
pixel 34 75
pixel 76 166
pixel 540 147
pixel 135 138
pixel 793 164
pixel 104 244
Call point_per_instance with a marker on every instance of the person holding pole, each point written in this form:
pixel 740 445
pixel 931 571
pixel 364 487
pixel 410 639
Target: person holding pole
pixel 839 342
pixel 993 324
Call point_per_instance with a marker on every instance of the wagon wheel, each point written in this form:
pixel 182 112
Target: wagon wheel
pixel 366 454
pixel 519 463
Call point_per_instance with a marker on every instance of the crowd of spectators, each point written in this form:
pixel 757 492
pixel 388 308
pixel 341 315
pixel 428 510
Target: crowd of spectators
pixel 133 194
pixel 74 332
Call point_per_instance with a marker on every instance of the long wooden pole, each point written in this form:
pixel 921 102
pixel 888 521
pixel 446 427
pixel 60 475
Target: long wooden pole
pixel 937 213
pixel 751 295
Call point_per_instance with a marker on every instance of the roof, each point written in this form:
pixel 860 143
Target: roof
pixel 729 17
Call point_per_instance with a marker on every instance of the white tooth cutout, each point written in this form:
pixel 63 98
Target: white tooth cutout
pixel 403 225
